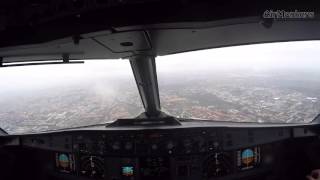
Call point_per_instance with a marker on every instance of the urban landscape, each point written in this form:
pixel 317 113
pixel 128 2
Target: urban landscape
pixel 231 97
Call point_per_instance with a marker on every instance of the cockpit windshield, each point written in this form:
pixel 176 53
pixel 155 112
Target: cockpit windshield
pixel 274 83
pixel 50 97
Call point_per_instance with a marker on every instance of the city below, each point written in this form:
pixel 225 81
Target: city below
pixel 235 97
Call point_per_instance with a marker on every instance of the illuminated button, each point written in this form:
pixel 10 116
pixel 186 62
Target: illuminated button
pixel 187 143
pixel 215 144
pixel 218 170
pixel 170 145
pixel 154 147
pixel 128 146
pixel 116 146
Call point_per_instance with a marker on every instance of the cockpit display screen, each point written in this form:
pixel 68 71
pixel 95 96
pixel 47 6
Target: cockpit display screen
pixel 65 162
pixel 248 158
pixel 127 171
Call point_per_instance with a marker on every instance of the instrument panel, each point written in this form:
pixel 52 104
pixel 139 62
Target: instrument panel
pixel 196 153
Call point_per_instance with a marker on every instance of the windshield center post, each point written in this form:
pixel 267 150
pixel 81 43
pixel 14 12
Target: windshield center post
pixel 145 74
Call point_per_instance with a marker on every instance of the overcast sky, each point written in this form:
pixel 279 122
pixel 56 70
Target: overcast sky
pixel 301 55
pixel 259 57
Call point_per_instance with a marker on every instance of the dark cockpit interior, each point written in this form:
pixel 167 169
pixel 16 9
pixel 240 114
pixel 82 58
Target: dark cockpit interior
pixel 154 145
pixel 191 151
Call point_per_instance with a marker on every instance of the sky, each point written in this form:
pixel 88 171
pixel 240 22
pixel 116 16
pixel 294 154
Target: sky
pixel 47 76
pixel 284 55
pixel 258 57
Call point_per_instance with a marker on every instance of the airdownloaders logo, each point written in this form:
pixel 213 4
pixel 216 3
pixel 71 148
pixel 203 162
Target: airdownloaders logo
pixel 282 14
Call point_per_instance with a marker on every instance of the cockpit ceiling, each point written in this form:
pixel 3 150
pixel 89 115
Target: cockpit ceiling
pixel 163 39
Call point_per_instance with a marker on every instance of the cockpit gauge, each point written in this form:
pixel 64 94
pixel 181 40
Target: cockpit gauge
pixel 65 162
pixel 92 166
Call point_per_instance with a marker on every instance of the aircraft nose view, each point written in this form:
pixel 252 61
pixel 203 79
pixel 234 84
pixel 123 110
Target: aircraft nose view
pixel 159 90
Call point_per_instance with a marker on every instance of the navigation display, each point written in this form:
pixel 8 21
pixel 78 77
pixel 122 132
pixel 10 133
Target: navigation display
pixel 248 158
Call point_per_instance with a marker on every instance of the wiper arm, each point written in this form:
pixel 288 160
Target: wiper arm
pixel 3 132
pixel 316 120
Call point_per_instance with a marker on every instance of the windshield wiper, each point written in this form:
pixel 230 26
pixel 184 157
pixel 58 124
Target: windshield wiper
pixel 3 132
pixel 65 60
pixel 316 120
